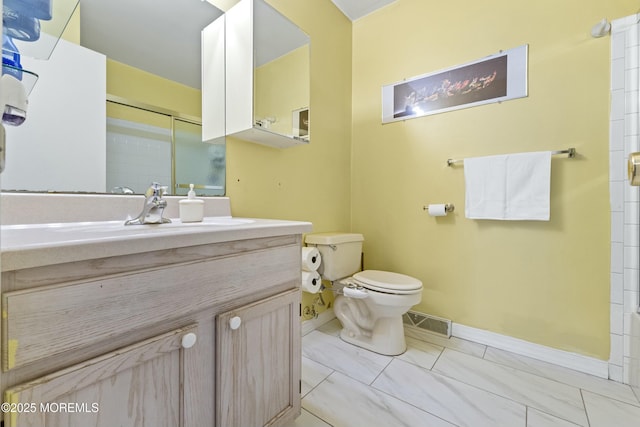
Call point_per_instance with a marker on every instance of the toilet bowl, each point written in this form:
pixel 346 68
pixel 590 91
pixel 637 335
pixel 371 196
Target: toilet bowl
pixel 370 305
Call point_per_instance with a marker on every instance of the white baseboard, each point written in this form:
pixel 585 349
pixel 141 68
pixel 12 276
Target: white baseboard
pixel 309 325
pixel 578 362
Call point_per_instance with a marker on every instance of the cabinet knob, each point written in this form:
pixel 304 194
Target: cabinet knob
pixel 188 340
pixel 235 322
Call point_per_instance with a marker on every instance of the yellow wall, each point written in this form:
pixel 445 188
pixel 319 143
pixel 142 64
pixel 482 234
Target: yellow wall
pixel 71 32
pixel 137 85
pixel 308 182
pixel 544 282
pixel 281 86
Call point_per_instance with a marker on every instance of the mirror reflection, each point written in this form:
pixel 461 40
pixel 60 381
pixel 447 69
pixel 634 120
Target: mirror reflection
pixel 197 162
pixel 281 73
pixel 266 87
pixel 161 84
pixel 138 148
pixel 144 145
pixel 73 139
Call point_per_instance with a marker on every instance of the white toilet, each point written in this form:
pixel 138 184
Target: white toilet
pixel 369 303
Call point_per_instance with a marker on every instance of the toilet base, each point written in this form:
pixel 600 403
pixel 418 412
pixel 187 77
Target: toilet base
pixel 387 337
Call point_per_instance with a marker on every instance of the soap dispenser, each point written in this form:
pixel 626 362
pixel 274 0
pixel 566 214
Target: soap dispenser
pixel 191 209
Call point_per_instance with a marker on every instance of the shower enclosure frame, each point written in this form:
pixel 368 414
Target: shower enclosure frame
pixel 624 138
pixel 173 117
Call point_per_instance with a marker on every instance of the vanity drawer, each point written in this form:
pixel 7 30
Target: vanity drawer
pixel 41 322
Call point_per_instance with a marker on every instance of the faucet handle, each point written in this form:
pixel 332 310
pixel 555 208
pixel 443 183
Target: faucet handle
pixel 156 190
pixel 152 190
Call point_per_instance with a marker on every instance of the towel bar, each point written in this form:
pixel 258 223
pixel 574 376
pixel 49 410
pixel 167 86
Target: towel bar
pixel 571 153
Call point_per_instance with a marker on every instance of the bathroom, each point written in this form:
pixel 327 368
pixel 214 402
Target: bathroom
pixel 557 285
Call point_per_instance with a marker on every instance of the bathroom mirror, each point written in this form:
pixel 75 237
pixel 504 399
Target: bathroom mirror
pixel 137 34
pixel 43 163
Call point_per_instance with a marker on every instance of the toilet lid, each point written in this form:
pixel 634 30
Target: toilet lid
pixel 385 281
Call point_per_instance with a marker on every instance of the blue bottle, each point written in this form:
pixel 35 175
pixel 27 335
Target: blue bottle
pixel 40 9
pixel 19 26
pixel 10 58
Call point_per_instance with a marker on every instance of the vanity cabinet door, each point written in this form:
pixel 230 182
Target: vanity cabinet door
pixel 258 363
pixel 144 384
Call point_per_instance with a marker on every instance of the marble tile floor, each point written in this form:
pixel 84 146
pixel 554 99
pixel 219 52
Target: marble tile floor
pixel 451 382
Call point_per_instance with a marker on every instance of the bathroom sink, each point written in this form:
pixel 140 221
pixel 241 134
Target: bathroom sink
pixel 29 245
pixel 222 220
pixel 119 227
pixel 29 235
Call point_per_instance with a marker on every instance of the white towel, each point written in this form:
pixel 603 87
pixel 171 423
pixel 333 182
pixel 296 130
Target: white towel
pixel 508 187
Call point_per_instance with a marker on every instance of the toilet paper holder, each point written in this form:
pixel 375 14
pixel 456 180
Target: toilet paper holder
pixel 449 207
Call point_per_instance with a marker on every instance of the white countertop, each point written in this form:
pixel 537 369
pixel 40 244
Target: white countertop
pixel 35 245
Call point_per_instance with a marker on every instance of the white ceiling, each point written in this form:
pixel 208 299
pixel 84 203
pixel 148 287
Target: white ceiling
pixel 159 36
pixel 163 36
pixel 355 9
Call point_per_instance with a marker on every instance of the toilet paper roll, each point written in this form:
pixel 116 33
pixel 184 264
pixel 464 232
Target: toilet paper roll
pixel 310 258
pixel 438 210
pixel 311 282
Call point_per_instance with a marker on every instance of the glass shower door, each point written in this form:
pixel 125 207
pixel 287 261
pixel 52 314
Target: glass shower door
pixel 138 149
pixel 199 163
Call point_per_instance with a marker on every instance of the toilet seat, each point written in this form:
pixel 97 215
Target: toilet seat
pixel 388 282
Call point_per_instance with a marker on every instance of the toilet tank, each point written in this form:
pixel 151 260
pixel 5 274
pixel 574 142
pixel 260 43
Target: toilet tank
pixel 341 253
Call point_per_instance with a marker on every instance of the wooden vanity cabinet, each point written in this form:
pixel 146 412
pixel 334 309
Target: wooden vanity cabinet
pixel 110 342
pixel 262 390
pixel 137 386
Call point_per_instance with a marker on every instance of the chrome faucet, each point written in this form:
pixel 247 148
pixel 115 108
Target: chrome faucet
pixel 153 207
pixel 122 190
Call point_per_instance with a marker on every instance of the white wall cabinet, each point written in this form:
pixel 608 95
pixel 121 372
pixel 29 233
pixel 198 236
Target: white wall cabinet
pixel 213 80
pixel 106 338
pixel 62 144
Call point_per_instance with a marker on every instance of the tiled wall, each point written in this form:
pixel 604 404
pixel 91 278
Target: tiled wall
pixel 624 362
pixel 137 154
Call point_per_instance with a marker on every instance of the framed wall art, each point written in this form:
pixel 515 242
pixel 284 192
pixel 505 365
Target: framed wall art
pixel 496 78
